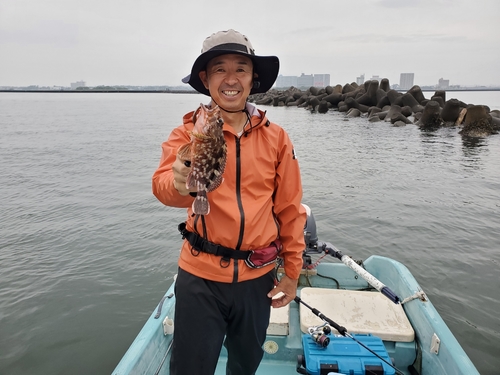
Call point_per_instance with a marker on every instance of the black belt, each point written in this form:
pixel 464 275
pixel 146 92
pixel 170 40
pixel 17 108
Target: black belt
pixel 205 246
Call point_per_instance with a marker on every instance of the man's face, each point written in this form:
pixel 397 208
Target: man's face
pixel 229 78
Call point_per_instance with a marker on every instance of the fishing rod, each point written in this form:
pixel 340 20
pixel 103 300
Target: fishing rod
pixel 343 331
pixel 315 246
pixel 328 248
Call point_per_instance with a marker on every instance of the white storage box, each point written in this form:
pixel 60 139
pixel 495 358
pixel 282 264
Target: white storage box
pixel 357 311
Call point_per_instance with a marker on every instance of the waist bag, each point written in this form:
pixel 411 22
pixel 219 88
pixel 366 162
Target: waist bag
pixel 257 258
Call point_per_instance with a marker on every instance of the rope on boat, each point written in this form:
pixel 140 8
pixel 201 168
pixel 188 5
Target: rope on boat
pixel 315 264
pixel 420 295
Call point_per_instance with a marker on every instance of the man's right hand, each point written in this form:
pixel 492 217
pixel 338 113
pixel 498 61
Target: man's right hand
pixel 181 171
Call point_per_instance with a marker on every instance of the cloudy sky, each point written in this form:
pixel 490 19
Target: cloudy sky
pixel 154 42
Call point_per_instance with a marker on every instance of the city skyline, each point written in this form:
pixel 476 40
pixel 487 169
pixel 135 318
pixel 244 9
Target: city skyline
pixel 325 79
pixel 180 85
pixel 125 42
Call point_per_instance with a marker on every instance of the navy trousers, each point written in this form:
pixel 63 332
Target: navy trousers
pixel 207 312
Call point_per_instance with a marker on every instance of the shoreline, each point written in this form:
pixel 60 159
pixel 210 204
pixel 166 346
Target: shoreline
pixel 195 92
pixel 107 91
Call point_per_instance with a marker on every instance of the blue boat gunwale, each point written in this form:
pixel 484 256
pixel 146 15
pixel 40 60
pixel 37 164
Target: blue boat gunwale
pixel 425 320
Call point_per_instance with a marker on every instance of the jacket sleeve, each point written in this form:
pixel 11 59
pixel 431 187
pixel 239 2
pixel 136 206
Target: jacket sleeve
pixel 163 178
pixel 290 213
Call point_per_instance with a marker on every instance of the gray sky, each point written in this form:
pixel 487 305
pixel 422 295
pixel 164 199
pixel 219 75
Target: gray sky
pixel 155 42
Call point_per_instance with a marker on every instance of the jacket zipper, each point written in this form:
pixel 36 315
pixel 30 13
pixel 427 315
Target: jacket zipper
pixel 240 206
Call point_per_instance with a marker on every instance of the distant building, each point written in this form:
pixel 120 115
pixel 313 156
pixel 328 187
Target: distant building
pixel 406 81
pixel 443 84
pixel 375 78
pixel 360 80
pixel 75 85
pixel 303 81
pixel 321 80
pixel 286 81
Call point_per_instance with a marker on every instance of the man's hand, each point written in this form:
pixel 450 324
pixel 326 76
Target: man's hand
pixel 180 171
pixel 289 289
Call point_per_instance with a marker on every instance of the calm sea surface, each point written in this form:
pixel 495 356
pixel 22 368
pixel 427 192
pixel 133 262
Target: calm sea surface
pixel 86 251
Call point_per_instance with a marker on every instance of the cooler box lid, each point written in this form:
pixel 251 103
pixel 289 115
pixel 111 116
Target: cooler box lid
pixel 358 311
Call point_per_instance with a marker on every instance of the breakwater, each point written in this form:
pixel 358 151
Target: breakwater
pixel 378 102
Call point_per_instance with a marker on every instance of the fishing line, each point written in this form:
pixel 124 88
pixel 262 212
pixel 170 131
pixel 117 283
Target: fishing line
pixel 343 331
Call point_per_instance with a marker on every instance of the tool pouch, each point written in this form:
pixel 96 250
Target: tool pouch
pixel 262 257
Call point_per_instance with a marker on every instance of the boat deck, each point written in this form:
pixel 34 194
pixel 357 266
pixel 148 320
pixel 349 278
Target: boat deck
pixel 266 367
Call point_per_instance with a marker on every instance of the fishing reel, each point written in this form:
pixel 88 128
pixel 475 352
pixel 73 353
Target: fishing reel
pixel 319 334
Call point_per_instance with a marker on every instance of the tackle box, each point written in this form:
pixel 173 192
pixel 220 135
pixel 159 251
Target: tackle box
pixel 344 355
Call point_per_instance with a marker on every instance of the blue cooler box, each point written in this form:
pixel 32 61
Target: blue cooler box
pixel 345 356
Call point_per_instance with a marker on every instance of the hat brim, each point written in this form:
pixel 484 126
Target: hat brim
pixel 266 67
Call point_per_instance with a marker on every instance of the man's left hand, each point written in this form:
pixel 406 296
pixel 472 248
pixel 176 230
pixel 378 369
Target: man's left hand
pixel 288 287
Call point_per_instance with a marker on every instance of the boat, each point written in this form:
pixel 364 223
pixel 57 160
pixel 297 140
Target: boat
pixel 349 317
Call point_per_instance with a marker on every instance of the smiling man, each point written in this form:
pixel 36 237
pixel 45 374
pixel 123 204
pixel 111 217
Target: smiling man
pixel 229 79
pixel 226 278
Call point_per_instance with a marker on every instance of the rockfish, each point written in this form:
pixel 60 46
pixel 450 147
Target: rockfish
pixel 207 152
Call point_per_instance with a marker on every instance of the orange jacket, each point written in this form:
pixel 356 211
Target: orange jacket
pixel 261 177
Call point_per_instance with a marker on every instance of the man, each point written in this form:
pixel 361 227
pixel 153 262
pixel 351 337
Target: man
pixel 221 296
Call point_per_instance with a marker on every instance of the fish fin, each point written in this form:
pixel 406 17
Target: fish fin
pixel 200 204
pixel 190 181
pixel 184 151
pixel 215 183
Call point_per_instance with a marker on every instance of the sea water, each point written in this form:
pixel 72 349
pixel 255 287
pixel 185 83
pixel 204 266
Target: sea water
pixel 87 252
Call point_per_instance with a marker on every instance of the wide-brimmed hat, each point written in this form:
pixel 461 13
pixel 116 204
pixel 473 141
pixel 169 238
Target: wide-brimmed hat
pixel 229 42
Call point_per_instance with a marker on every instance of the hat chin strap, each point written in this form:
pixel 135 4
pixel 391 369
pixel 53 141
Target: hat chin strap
pixel 244 110
pixel 227 110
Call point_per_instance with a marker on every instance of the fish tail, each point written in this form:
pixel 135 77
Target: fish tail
pixel 200 204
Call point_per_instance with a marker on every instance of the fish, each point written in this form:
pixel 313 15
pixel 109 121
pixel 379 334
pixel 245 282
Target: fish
pixel 207 153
